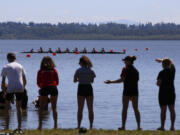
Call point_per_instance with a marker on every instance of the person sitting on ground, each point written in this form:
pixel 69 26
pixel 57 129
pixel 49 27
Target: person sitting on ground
pixel 36 102
pixel 167 96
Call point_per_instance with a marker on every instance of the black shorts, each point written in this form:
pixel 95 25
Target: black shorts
pixel 49 90
pixel 19 96
pixel 130 93
pixel 85 90
pixel 167 99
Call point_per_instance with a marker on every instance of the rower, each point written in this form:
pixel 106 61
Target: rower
pixel 84 50
pixel 40 50
pixel 102 50
pixel 58 50
pixel 50 50
pixel 32 51
pixel 67 50
pixel 94 50
pixel 75 50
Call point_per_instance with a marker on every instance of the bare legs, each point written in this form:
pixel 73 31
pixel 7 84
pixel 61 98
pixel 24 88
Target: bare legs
pixel 136 111
pixel 43 100
pixel 54 104
pixel 125 102
pixel 89 100
pixel 8 111
pixel 81 100
pixel 19 113
pixel 173 116
pixel 163 116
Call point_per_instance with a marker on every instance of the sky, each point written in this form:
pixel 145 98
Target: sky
pixel 90 11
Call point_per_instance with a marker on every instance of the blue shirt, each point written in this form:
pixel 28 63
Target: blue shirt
pixel 84 75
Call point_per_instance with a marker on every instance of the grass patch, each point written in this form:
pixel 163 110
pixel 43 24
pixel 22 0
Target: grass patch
pixel 95 132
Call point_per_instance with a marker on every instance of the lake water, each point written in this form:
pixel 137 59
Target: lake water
pixel 108 98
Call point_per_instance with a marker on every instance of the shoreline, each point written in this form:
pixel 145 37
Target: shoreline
pixel 97 37
pixel 94 132
pixel 101 39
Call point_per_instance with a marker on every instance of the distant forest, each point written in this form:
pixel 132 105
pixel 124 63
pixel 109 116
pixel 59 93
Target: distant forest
pixel 108 31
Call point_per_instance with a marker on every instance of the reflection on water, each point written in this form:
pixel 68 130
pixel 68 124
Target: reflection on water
pixel 45 117
pixel 2 119
pixel 107 98
pixel 24 118
pixel 24 115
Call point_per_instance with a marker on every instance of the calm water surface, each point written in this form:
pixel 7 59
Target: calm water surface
pixel 108 98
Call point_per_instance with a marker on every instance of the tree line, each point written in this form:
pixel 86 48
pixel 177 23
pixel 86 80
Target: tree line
pixel 31 30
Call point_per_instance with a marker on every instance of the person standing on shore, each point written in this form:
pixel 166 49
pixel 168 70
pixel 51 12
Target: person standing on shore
pixel 167 96
pixel 85 76
pixel 16 84
pixel 129 77
pixel 47 80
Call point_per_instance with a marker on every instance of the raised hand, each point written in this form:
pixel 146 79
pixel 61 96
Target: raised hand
pixel 107 81
pixel 158 60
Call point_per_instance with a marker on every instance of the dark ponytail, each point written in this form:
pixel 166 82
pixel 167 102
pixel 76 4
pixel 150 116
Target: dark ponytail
pixel 133 58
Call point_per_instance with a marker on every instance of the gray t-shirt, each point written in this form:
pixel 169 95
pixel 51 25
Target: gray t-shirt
pixel 14 72
pixel 84 75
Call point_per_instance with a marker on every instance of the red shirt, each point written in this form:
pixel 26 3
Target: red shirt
pixel 123 73
pixel 47 78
